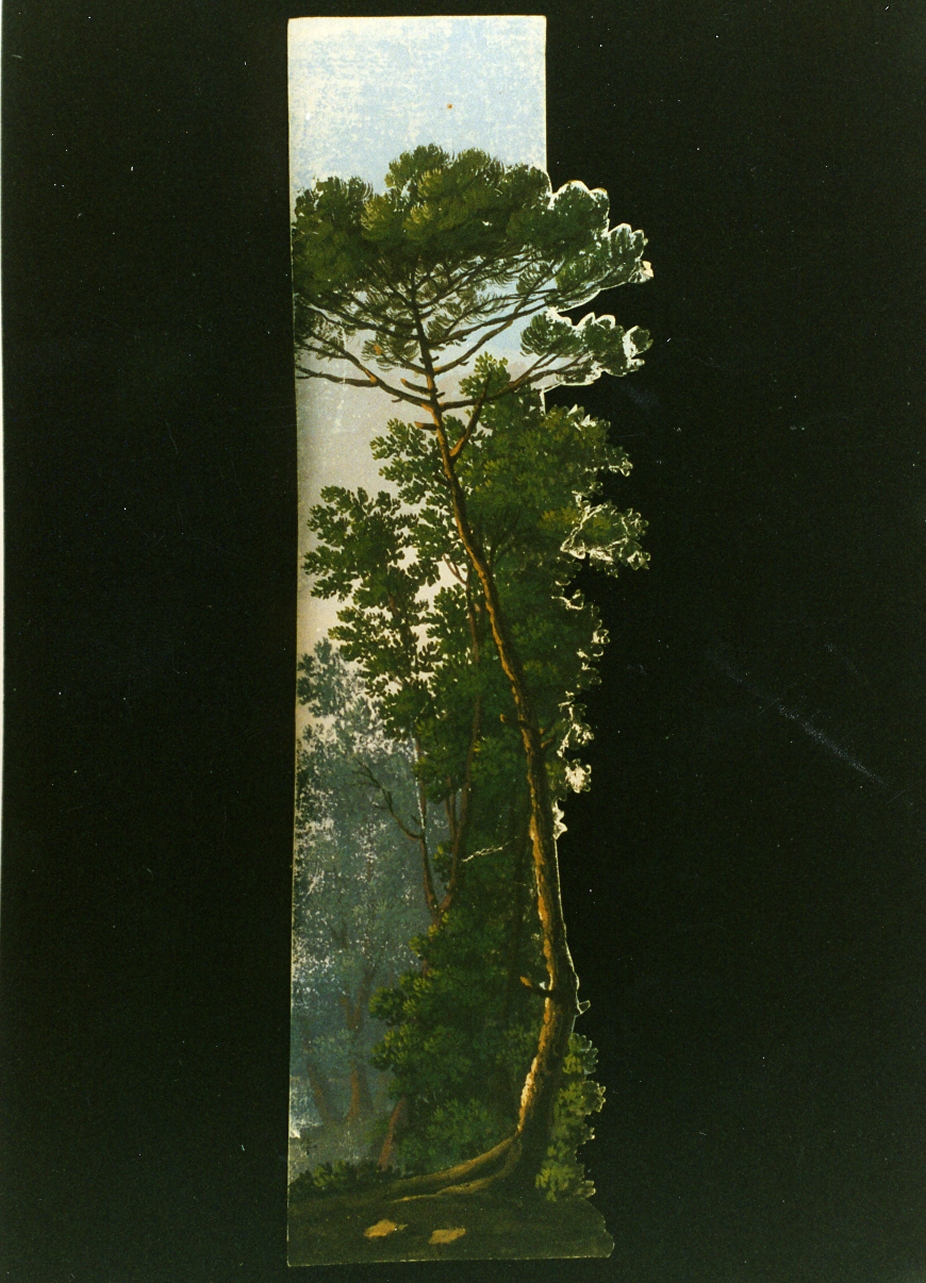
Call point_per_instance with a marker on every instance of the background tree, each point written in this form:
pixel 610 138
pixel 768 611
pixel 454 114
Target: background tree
pixel 406 288
pixel 357 889
pixel 418 650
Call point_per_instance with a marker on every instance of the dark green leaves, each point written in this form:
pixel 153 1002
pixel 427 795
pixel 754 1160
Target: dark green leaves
pixel 327 255
pixel 361 558
pixel 574 354
pixel 456 249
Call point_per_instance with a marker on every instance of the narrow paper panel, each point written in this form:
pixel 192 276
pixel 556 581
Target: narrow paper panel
pixel 440 1087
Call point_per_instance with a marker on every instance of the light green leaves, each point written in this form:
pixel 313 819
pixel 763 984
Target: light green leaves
pixel 580 353
pixel 608 538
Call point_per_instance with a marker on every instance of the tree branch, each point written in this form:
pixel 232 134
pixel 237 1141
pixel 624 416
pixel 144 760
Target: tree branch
pixel 339 353
pixel 499 327
pixel 471 426
pixel 386 795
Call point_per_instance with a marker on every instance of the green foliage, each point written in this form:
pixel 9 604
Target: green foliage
pixel 337 1178
pixel 422 277
pixel 361 556
pixel 456 1130
pixel 531 476
pixel 463 1029
pixel 595 344
pixel 356 891
pixel 456 249
pixel 563 1174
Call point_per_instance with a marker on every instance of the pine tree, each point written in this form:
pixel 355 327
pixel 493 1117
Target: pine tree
pixel 404 292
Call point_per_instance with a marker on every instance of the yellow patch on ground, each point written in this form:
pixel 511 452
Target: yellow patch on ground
pixel 381 1229
pixel 446 1236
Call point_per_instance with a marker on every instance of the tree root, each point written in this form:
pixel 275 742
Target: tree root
pixel 458 1179
pixel 453 1180
pixel 497 1166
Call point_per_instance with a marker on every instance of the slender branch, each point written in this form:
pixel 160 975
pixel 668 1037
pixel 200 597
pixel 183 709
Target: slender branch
pixel 508 265
pixel 451 565
pixel 473 421
pixel 411 387
pixel 530 376
pixel 364 770
pixel 505 323
pixel 340 353
pixel 450 810
pixel 371 322
pixel 460 823
pixel 420 837
pixel 333 378
pixel 430 892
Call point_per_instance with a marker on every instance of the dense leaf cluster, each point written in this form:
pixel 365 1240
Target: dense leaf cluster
pixel 456 250
pixel 563 1173
pixel 531 478
pixel 462 1028
pixel 341 1177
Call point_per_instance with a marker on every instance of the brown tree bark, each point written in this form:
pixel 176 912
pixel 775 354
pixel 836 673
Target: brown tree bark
pixel 538 1097
pixel 361 1101
pixel 396 1122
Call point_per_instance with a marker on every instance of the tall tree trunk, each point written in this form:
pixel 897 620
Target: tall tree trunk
pixel 355 1012
pixel 538 1097
pixel 521 845
pixel 396 1123
pixel 321 1094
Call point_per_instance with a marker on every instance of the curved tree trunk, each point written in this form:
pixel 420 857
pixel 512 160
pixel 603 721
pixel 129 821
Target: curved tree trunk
pixel 538 1097
pixel 396 1122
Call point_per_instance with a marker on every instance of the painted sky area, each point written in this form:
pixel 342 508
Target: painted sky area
pixel 362 91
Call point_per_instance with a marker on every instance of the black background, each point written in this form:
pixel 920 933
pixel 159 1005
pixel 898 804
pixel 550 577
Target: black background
pixel 745 882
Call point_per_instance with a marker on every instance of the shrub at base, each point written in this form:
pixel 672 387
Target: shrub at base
pixel 563 1174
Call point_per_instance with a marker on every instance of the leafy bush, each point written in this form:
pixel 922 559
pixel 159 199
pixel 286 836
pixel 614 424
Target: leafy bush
pixel 455 1131
pixel 337 1178
pixel 461 1032
pixel 563 1174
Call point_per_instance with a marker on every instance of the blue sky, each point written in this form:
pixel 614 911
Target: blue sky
pixel 362 90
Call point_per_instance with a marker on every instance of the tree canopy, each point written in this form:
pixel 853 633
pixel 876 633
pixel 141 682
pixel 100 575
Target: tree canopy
pixel 421 278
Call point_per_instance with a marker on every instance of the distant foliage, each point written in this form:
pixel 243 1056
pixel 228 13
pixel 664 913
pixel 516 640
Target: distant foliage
pixel 357 896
